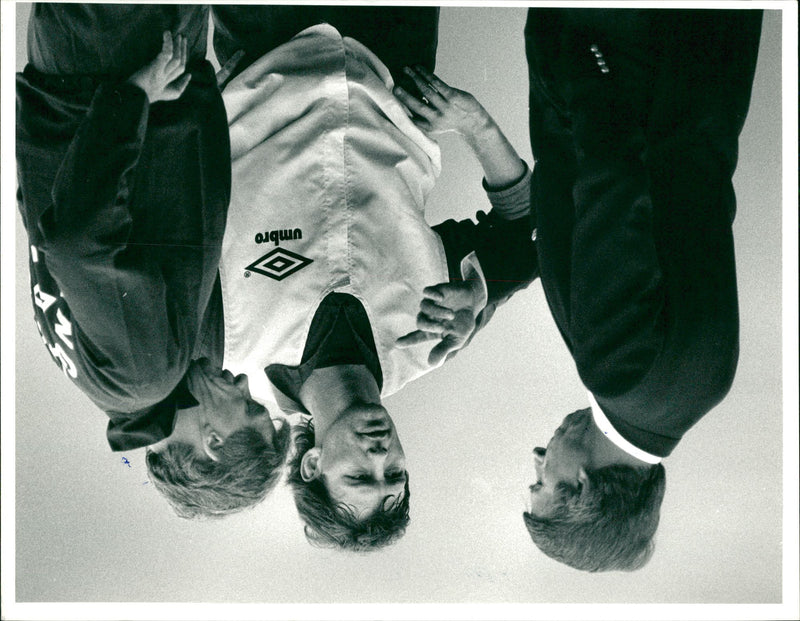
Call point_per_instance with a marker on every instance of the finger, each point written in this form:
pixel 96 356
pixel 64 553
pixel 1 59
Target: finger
pixel 433 310
pixel 450 294
pixel 442 349
pixel 430 93
pixel 176 88
pixel 436 292
pixel 166 48
pixel 424 125
pixel 435 81
pixel 430 324
pixel 413 104
pixel 175 66
pixel 414 338
pixel 184 52
pixel 224 73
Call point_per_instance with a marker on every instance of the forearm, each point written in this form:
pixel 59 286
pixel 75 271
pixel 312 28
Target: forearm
pixel 92 189
pixel 501 164
pixel 617 288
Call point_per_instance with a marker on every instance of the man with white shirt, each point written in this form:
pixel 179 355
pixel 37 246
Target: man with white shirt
pixel 327 249
pixel 634 123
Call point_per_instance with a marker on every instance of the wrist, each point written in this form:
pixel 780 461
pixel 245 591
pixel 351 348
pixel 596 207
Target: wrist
pixel 133 81
pixel 480 128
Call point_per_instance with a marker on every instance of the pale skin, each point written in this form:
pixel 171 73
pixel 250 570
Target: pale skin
pixel 577 445
pixel 448 311
pixel 165 78
pixel 224 406
pixel 357 453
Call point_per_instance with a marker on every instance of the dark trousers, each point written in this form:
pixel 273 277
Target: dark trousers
pixel 399 36
pixel 109 39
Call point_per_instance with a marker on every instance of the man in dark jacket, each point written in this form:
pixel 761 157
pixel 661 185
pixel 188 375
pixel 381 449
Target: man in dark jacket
pixel 124 200
pixel 634 122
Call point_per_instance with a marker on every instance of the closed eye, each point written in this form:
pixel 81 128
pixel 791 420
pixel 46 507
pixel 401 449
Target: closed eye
pixel 396 476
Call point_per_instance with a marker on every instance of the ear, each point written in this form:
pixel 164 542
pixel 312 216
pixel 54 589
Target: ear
pixel 583 478
pixel 212 442
pixel 309 465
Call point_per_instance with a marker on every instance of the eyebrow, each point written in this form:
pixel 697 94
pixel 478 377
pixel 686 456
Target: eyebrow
pixel 254 408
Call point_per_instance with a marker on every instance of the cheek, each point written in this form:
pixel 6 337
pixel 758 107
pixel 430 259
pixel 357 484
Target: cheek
pixel 336 456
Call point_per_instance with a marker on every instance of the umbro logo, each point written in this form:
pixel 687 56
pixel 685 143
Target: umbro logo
pixel 278 264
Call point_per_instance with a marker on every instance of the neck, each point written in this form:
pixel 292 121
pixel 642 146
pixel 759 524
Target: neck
pixel 606 453
pixel 329 391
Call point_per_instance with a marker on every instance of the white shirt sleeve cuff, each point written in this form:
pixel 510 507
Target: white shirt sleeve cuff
pixel 472 273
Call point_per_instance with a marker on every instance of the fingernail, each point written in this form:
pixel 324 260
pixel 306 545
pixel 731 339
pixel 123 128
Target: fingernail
pixel 408 70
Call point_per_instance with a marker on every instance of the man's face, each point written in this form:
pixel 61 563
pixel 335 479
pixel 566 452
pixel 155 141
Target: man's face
pixel 224 399
pixel 564 460
pixel 224 406
pixel 361 461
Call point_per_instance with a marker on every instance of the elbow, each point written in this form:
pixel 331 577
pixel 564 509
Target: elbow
pixel 611 365
pixel 131 388
pixel 723 372
pixel 155 388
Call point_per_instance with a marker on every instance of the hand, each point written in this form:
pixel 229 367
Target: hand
pixel 227 69
pixel 447 312
pixel 443 109
pixel 164 79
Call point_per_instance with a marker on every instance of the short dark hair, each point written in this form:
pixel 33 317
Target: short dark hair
pixel 248 469
pixel 610 526
pixel 329 524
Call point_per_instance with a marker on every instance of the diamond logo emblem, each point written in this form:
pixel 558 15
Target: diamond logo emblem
pixel 279 264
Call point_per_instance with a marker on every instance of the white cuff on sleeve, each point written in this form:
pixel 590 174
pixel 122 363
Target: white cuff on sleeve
pixel 471 272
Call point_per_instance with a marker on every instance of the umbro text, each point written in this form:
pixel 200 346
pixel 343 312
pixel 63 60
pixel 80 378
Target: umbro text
pixel 278 236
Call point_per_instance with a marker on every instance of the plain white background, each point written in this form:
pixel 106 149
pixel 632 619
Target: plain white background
pixel 89 528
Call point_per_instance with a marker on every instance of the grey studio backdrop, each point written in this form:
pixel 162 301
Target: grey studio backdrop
pixel 90 528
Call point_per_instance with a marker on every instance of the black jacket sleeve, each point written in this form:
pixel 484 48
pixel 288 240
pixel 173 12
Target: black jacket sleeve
pixel 113 295
pixel 504 247
pixel 652 315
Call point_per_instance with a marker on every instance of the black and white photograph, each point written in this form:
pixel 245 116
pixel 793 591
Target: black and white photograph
pixel 380 310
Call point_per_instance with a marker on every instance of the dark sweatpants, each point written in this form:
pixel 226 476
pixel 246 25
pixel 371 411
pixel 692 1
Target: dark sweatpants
pixel 399 36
